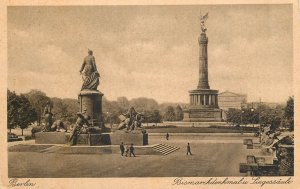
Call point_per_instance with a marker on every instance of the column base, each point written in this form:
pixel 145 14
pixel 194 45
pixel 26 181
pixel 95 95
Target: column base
pixel 202 115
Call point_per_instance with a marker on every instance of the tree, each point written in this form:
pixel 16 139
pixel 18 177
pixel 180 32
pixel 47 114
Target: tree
pixel 142 104
pixel 123 103
pixel 12 110
pixel 111 111
pixel 152 116
pixel 60 110
pixel 163 106
pixel 270 117
pixel 65 109
pixel 72 106
pixel 178 113
pixel 289 113
pixel 38 100
pixel 169 114
pixel 249 116
pixel 19 111
pixel 234 116
pixel 26 113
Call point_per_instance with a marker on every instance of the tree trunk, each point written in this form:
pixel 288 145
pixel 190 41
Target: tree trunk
pixel 22 132
pixel 9 130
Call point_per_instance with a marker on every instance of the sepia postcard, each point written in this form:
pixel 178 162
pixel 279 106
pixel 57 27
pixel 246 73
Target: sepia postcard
pixel 149 94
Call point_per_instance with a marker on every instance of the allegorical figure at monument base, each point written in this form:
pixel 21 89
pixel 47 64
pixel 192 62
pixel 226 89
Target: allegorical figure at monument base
pixel 131 120
pixel 80 122
pixel 90 72
pixel 48 117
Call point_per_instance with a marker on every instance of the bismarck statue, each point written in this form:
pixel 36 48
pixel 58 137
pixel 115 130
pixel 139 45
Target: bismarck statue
pixel 90 73
pixel 89 98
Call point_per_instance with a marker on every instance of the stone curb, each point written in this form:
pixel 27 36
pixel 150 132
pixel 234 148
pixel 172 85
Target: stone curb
pixel 204 134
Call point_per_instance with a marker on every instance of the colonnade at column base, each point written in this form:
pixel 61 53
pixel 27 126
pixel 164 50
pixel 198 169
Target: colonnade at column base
pixel 203 106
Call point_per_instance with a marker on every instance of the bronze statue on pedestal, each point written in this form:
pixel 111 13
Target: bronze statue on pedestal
pixel 90 73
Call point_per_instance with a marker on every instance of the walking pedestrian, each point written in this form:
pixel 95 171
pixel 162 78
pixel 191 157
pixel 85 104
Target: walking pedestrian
pixel 122 148
pixel 131 150
pixel 167 136
pixel 188 148
pixel 127 150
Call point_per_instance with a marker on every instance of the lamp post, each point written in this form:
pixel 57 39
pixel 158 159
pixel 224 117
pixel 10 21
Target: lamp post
pixel 242 117
pixel 108 119
pixel 259 122
pixel 252 112
pixel 242 131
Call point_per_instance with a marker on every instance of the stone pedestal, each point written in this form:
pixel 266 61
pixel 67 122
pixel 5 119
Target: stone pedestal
pixel 90 101
pixel 138 139
pixel 50 138
pixel 202 115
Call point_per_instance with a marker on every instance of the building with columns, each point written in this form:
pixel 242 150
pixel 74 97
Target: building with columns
pixel 203 106
pixel 229 100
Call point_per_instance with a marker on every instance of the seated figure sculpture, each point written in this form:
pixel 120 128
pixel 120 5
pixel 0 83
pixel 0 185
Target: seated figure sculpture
pixel 48 117
pixel 58 126
pixel 130 121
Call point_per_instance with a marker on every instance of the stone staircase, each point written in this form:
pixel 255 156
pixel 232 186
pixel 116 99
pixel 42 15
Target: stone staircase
pixel 165 149
pixel 51 149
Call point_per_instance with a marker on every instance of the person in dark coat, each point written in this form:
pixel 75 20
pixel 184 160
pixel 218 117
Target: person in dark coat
pixel 167 136
pixel 188 148
pixel 122 148
pixel 131 149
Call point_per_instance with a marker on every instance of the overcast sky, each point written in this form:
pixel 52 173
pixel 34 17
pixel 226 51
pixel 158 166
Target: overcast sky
pixel 152 51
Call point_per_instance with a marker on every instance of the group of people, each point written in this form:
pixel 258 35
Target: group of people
pixel 127 151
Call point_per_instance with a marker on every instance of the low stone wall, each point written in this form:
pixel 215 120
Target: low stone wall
pixel 109 149
pixel 92 139
pixel 65 149
pixel 50 138
pixel 129 138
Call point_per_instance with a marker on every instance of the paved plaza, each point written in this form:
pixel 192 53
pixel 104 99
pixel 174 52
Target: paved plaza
pixel 212 156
